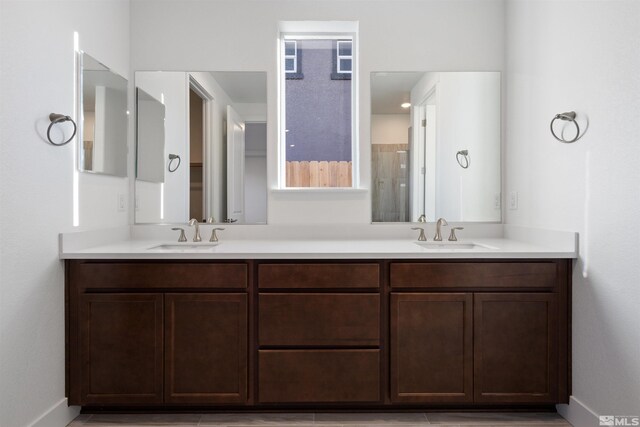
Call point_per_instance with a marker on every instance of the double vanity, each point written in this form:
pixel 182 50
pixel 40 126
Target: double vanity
pixel 352 323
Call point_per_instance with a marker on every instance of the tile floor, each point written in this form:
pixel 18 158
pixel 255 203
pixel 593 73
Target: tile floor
pixel 405 419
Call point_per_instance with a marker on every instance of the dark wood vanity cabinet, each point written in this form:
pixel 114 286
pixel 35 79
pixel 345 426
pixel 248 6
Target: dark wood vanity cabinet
pixel 516 347
pixel 121 341
pixel 481 332
pixel 431 347
pixel 205 348
pixel 318 333
pixel 151 334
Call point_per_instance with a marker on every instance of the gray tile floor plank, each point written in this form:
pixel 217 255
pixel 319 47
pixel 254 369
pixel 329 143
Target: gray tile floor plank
pixel 372 418
pixel 257 419
pixel 496 418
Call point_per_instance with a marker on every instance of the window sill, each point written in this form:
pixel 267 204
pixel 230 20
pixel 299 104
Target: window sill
pixel 292 190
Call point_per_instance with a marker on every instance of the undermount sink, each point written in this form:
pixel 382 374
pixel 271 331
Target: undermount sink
pixel 453 245
pixel 186 247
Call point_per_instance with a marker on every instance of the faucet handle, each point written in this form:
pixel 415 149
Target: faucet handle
pixel 214 236
pixel 421 237
pixel 422 218
pixel 210 220
pixel 452 236
pixel 182 237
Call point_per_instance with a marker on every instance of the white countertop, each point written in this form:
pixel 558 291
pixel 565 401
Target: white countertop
pixel 510 244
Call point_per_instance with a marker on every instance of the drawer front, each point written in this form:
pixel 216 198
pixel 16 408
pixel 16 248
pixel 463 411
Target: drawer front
pixel 317 376
pixel 480 274
pixel 321 276
pixel 160 275
pixel 319 319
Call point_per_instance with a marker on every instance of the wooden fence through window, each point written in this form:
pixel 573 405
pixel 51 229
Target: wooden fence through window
pixel 319 174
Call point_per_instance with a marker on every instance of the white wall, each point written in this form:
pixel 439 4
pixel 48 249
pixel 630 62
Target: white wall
pixel 390 128
pixel 583 56
pixel 231 35
pixel 255 173
pixel 36 198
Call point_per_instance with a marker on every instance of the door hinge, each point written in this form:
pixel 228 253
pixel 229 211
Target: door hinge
pixel 424 123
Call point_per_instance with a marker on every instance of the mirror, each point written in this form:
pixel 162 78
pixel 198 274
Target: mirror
pixel 435 142
pixel 201 147
pixel 150 113
pixel 103 101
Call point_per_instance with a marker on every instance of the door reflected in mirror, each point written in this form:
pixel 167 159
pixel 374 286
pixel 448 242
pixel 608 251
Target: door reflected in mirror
pixel 435 141
pixel 213 153
pixel 103 102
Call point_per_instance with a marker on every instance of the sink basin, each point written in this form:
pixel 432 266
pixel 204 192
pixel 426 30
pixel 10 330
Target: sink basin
pixel 185 247
pixel 452 246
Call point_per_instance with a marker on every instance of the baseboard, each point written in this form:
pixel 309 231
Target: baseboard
pixel 578 414
pixel 59 415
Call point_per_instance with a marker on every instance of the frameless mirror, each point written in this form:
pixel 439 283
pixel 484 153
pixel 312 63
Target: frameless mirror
pixel 150 114
pixel 103 101
pixel 206 159
pixel 435 141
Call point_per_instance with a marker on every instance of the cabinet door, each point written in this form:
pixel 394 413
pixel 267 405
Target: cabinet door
pixel 206 348
pixel 121 341
pixel 431 347
pixel 516 356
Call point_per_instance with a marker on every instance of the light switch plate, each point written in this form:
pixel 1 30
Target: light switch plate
pixel 121 203
pixel 513 200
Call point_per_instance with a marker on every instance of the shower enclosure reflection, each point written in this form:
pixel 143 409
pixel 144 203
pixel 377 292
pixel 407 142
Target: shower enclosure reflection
pixel 420 123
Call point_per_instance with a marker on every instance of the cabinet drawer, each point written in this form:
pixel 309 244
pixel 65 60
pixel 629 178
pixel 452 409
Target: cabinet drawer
pixel 319 319
pixel 290 376
pixel 287 276
pixel 476 274
pixel 159 275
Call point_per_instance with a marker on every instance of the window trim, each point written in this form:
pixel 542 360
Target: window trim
pixel 355 119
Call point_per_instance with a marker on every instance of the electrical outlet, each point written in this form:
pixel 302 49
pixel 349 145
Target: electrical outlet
pixel 121 203
pixel 513 200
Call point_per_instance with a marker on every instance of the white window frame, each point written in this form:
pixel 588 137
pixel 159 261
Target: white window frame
pixel 325 31
pixel 339 57
pixel 294 57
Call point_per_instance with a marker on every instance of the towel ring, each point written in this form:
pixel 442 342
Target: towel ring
pixel 173 157
pixel 60 118
pixel 462 157
pixel 567 117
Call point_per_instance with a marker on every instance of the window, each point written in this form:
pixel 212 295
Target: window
pixel 343 60
pixel 292 60
pixel 316 117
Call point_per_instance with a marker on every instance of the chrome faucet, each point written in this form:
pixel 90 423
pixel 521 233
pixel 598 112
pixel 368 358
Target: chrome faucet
pixel 214 236
pixel 439 224
pixel 182 237
pixel 452 236
pixel 421 237
pixel 196 237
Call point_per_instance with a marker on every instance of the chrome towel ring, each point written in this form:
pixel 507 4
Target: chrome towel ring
pixel 60 118
pixel 173 157
pixel 462 157
pixel 567 117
